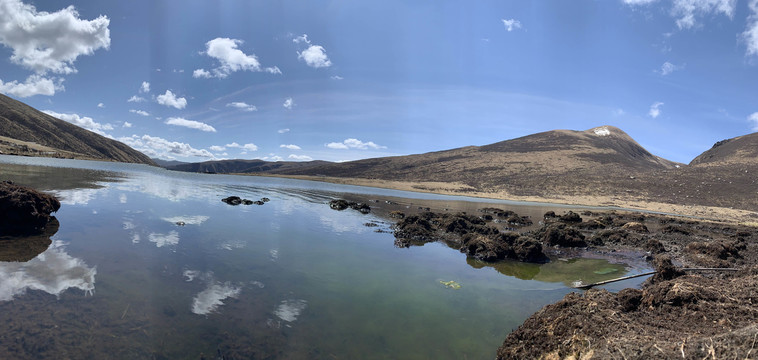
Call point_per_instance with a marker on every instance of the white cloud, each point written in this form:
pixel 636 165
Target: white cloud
pixel 290 146
pixel 100 105
pixel 158 147
pixel 246 147
pixel 687 10
pixel 272 157
pixel 217 148
pixel 201 73
pixel 300 157
pixel 139 112
pixel 655 109
pixel 511 24
pixel 354 144
pixel 43 41
pixel 81 121
pixel 753 118
pixel 242 106
pixel 145 88
pixel 192 124
pixel 618 112
pixel 668 68
pixel 337 77
pixel 315 57
pixel 301 39
pixel 750 35
pixel 169 99
pixel 136 99
pixel 282 131
pixel 288 103
pixel 230 59
pixel 127 124
pixel 34 85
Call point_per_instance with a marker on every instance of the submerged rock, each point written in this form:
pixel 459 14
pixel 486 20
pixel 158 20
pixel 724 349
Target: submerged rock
pixel 232 200
pixel 341 204
pixel 23 210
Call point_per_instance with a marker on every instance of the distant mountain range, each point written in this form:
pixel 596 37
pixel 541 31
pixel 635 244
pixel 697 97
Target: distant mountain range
pixel 560 164
pixel 27 131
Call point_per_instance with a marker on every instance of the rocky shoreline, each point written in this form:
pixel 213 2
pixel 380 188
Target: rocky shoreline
pixel 675 314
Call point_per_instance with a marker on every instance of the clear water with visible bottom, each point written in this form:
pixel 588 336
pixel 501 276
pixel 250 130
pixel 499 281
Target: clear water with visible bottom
pixel 291 279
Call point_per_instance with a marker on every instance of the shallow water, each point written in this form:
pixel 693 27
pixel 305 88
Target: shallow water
pixel 289 279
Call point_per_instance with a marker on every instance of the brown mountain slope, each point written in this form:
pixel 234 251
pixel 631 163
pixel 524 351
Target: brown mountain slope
pixel 548 162
pixel 242 166
pixel 742 149
pixel 49 135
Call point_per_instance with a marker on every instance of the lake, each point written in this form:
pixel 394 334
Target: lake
pixel 291 279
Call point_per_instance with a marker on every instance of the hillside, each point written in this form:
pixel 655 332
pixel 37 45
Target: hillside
pixel 560 161
pixel 742 149
pixel 243 166
pixel 27 131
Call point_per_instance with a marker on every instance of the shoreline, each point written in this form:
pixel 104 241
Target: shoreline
pixel 697 212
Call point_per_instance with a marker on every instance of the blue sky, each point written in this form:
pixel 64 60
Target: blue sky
pixel 345 80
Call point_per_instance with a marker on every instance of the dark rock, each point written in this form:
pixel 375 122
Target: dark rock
pixel 232 200
pixel 247 202
pixel 715 253
pixel 654 246
pixel 549 215
pixel 257 202
pixel 265 199
pixel 363 208
pixel 23 210
pixel 570 217
pixel 502 246
pixel 411 228
pixel 339 204
pixel 397 215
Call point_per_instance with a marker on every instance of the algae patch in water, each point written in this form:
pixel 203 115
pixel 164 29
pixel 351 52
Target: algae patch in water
pixel 451 284
pixel 606 271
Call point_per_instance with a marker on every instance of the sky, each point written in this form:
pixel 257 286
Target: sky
pixel 344 80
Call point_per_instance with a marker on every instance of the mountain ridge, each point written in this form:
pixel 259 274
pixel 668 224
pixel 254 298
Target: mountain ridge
pixel 28 131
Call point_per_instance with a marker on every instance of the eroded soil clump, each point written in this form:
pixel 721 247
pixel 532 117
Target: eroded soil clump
pixel 675 315
pixel 477 236
pixel 23 210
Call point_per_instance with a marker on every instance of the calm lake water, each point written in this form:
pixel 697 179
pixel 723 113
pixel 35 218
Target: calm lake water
pixel 291 279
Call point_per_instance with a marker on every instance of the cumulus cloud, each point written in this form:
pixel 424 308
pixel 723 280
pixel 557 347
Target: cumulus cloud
pixel 288 103
pixel 272 157
pixel 315 57
pixel 154 146
pixel 136 99
pixel 301 39
pixel 127 124
pixel 192 124
pixel 290 146
pixel 81 121
pixel 753 119
pixel 750 35
pixel 50 42
pixel 242 106
pixel 300 157
pixel 169 99
pixel 100 105
pixel 217 148
pixel 354 144
pixel 282 131
pixel 246 147
pixel 145 87
pixel 139 112
pixel 511 24
pixel 230 59
pixel 655 109
pixel 34 85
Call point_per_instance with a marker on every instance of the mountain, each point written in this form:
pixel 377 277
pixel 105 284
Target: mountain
pixel 243 166
pixel 167 163
pixel 742 149
pixel 27 131
pixel 551 161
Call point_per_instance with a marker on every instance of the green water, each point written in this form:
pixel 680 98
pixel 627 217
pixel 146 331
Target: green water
pixel 291 279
